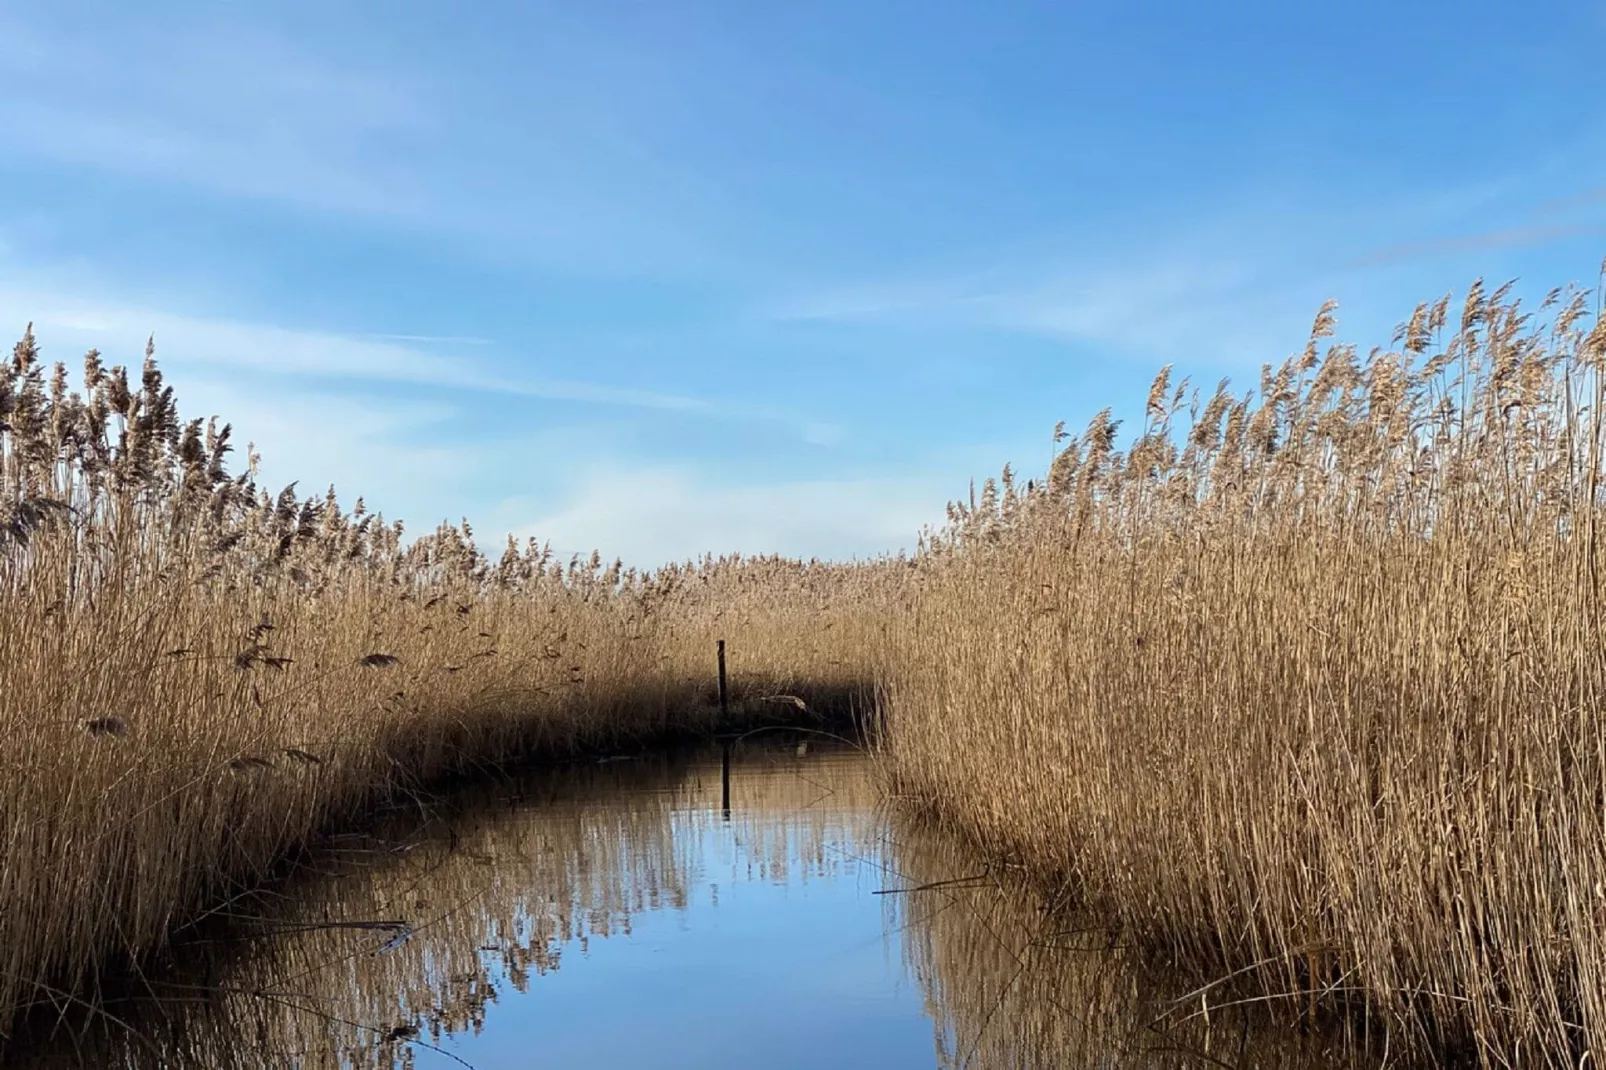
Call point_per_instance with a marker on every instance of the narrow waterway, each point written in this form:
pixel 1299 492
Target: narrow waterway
pixel 674 910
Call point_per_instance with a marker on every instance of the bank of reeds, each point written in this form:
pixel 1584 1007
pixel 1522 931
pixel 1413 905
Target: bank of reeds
pixel 196 675
pixel 1302 686
pixel 1307 683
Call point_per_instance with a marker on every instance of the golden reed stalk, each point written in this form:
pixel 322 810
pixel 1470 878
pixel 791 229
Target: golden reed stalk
pixel 1308 683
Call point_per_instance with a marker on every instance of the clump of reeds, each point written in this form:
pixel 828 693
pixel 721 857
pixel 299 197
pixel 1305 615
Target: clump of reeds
pixel 197 674
pixel 1307 682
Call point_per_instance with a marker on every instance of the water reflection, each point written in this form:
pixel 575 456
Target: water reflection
pixel 614 914
pixel 1014 984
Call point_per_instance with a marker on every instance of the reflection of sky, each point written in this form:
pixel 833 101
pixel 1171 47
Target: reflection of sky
pixel 761 968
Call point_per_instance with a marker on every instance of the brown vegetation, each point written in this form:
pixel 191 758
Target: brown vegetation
pixel 1304 685
pixel 195 675
pixel 1307 685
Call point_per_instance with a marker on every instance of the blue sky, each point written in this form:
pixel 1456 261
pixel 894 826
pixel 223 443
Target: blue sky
pixel 664 277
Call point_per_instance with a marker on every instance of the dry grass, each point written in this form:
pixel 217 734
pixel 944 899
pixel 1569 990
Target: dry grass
pixel 1303 684
pixel 1310 684
pixel 195 676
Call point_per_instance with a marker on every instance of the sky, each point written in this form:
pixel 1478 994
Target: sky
pixel 666 277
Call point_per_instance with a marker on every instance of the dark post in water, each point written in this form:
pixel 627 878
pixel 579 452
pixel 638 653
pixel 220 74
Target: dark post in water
pixel 725 750
pixel 724 703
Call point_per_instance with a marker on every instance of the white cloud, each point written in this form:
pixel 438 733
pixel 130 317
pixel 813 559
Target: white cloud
pixel 1175 304
pixel 432 339
pixel 652 514
pixel 636 508
pixel 389 452
pixel 213 103
pixel 291 393
pixel 1454 245
pixel 548 162
pixel 1242 285
pixel 192 342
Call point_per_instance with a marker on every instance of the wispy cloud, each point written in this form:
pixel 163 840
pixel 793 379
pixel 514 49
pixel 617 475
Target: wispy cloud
pixel 1587 198
pixel 652 514
pixel 221 104
pixel 202 342
pixel 1237 288
pixel 408 459
pixel 1174 301
pixel 432 339
pixel 1454 245
pixel 547 165
pixel 391 452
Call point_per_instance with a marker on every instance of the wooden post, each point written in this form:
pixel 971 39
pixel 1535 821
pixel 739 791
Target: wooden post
pixel 725 748
pixel 724 701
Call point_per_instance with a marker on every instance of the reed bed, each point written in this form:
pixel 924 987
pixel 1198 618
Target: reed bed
pixel 1301 687
pixel 196 675
pixel 1305 685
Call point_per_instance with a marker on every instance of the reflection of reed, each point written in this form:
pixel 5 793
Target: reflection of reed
pixel 399 937
pixel 396 938
pixel 1012 984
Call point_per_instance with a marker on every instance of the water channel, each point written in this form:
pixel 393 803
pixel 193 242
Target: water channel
pixel 616 913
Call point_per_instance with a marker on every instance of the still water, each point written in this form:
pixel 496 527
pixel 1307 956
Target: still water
pixel 618 914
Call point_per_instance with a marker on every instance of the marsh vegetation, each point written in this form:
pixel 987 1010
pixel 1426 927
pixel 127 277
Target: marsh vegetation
pixel 1306 684
pixel 196 676
pixel 1300 687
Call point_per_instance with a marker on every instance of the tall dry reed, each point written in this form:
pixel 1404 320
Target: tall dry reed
pixel 1307 683
pixel 197 675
